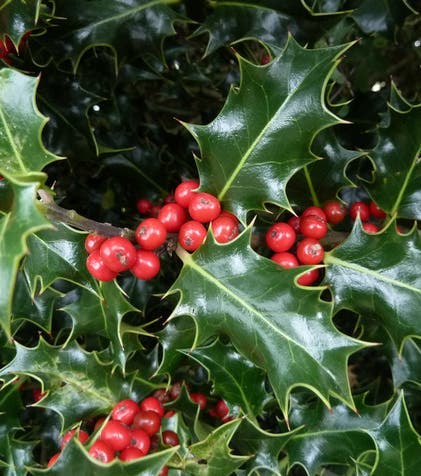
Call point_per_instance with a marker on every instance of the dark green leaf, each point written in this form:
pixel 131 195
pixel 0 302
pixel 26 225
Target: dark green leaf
pixel 236 378
pixel 272 322
pixel 378 275
pixel 17 17
pixel 263 134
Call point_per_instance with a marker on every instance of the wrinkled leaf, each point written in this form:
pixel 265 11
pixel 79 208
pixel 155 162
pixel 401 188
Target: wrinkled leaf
pixel 263 134
pixel 378 275
pixel 270 321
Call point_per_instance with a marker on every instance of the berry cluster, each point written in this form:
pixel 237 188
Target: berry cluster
pixel 187 216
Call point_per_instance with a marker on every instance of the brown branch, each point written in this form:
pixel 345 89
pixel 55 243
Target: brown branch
pixel 70 217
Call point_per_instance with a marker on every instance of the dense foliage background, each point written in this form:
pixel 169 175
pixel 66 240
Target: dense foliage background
pixel 274 106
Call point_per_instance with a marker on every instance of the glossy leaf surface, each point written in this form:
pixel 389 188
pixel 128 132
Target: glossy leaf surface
pixel 24 17
pixel 271 322
pixel 263 134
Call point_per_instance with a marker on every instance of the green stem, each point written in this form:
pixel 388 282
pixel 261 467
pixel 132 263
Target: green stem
pixel 310 186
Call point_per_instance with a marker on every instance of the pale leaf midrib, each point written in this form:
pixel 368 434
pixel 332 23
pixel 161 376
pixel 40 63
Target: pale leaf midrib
pixel 11 142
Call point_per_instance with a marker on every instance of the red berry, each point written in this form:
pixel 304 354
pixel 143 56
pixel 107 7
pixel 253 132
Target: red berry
pixel 191 235
pixel 310 251
pixel 154 211
pixel 314 211
pixel 164 471
pixel 93 242
pixel 151 234
pixel 116 435
pixel 285 259
pixel 265 59
pixel 162 395
pixel 376 211
pixel 199 398
pixel 101 451
pixel 175 390
pixel 99 423
pixel 82 435
pixel 118 253
pixel 124 411
pixel 170 438
pixel 11 48
pixel 361 209
pixel 172 216
pixel 370 227
pixel 37 395
pixel 169 414
pixel 225 213
pixel 148 421
pixel 308 278
pixel 312 226
pixel 184 192
pixel 130 453
pixel 53 459
pixel 3 53
pixel 335 212
pixel 294 223
pixel 224 229
pixel 98 269
pixel 221 409
pixel 140 440
pixel 144 206
pixel 147 265
pixel 152 404
pixel 204 207
pixel 280 237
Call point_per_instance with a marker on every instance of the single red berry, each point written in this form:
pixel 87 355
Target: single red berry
pixel 225 213
pixel 204 207
pixel 280 237
pixel 82 436
pixel 212 412
pixel 170 438
pixel 99 423
pixel 175 390
pixel 370 227
pixel 130 453
pixel 221 409
pixel 361 209
pixel 169 414
pixel 152 404
pixel 101 451
pixel 376 211
pixel 285 259
pixel 224 229
pixel 116 435
pixel 313 210
pixel 53 459
pixel 312 226
pixel 93 242
pixel 118 253
pixel 144 206
pixel 162 395
pixel 309 277
pixel 151 234
pixel 140 440
pixel 184 192
pixel 11 48
pixel 147 265
pixel 98 269
pixel 191 235
pixel 164 471
pixel 294 223
pixel 172 216
pixel 124 411
pixel 310 251
pixel 148 421
pixel 199 398
pixel 3 53
pixel 37 395
pixel 335 212
pixel 265 59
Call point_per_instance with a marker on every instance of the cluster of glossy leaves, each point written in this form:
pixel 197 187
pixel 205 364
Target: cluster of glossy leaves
pixel 316 379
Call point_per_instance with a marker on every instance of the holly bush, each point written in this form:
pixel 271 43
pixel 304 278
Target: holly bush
pixel 272 107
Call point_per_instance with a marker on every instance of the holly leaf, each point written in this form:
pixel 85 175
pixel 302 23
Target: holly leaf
pixel 396 158
pixel 129 27
pixel 262 136
pixel 212 455
pixel 378 275
pixel 251 22
pixel 407 366
pixel 76 382
pixel 236 378
pixel 103 313
pixel 263 447
pixel 398 444
pixel 24 15
pixel 76 457
pixel 272 322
